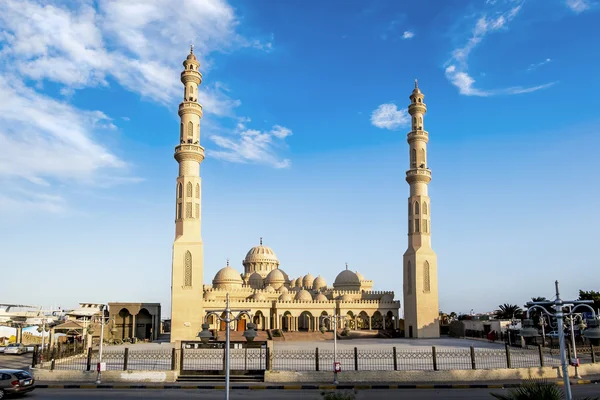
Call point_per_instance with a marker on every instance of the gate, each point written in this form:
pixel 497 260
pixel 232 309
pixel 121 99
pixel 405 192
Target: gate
pixel 198 358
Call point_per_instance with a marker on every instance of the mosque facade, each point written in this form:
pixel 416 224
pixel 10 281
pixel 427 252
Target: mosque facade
pixel 275 300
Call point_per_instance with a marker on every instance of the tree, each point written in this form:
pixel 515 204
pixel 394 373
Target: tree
pixel 509 311
pixel 591 295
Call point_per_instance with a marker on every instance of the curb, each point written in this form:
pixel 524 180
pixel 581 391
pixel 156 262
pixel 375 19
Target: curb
pixel 299 387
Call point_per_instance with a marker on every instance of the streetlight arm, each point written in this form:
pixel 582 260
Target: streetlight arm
pixel 585 305
pixel 539 307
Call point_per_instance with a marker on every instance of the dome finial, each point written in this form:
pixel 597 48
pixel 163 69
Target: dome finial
pixel 261 241
pixel 228 262
pixel 416 83
pixel 192 48
pixel 346 266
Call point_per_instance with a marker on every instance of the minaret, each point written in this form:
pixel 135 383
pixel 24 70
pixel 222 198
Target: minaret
pixel 188 257
pixel 421 309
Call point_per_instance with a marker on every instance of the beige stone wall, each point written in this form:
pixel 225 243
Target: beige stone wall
pixel 428 377
pixel 44 375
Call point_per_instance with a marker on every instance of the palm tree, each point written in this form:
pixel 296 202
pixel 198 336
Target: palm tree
pixel 508 311
pixel 534 390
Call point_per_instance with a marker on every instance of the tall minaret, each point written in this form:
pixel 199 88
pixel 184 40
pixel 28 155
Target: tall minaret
pixel 421 309
pixel 188 257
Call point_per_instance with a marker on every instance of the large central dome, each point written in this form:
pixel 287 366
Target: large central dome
pixel 260 259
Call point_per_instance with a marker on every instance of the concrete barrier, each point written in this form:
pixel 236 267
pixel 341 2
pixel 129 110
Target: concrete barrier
pixel 44 375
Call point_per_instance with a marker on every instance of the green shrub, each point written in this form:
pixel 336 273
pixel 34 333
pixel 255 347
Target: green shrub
pixel 339 396
pixel 536 390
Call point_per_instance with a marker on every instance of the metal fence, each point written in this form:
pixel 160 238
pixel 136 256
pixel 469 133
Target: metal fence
pixel 356 359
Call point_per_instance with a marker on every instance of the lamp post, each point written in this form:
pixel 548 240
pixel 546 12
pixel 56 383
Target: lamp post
pixel 205 334
pixel 593 332
pixel 102 318
pixel 572 318
pixel 333 319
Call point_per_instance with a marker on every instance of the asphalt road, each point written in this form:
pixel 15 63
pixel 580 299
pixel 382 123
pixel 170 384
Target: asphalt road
pixel 81 394
pixel 14 361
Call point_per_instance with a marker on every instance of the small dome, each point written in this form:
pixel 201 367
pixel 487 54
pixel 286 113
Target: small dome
pixel 319 283
pixel 255 281
pixel 347 280
pixel 346 297
pixel 258 296
pixel 303 295
pixel 227 277
pixel 307 281
pixel 276 278
pixel 286 297
pixel 298 282
pixel 210 296
pixel 321 297
pixel 360 277
pixel 269 289
pixel 283 289
pixel 261 254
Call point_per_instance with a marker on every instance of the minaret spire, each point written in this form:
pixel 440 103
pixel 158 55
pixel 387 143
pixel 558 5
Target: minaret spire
pixel 421 311
pixel 188 264
pixel 261 241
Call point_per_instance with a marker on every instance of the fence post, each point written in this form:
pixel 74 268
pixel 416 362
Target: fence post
pixel 473 357
pixel 355 359
pixel 89 359
pixel 173 358
pixel 507 348
pixel 395 359
pixel 593 354
pixel 434 355
pixel 268 359
pixel 34 359
pixel 52 365
pixel 125 358
pixel 316 359
pixel 541 352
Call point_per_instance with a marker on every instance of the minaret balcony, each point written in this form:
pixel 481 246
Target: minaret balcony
pixel 191 75
pixel 190 107
pixel 189 151
pixel 417 108
pixel 418 175
pixel 418 134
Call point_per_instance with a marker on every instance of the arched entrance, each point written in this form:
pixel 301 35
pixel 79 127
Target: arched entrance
pixel 286 321
pixel 305 321
pixel 350 322
pixel 377 321
pixel 363 320
pixel 241 324
pixel 124 323
pixel 324 322
pixel 389 320
pixel 143 328
pixel 258 320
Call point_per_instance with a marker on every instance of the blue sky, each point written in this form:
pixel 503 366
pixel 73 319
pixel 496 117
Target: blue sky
pixel 305 132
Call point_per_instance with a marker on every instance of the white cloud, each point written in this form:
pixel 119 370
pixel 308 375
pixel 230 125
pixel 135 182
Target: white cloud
pixel 252 146
pixel 578 6
pixel 137 43
pixel 457 67
pixel 387 116
pixel 535 66
pixel 408 35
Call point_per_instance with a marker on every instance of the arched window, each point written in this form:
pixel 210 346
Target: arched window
pixel 416 204
pixel 413 157
pixel 178 210
pixel 420 100
pixel 190 132
pixel 197 190
pixel 187 275
pixel 425 207
pixel 197 210
pixel 414 120
pixel 426 278
pixel 409 286
pixel 191 90
pixel 423 157
pixel 181 131
pixel 188 209
pixel 179 190
pixel 188 189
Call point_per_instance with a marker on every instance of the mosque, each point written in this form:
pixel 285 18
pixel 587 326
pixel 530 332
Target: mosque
pixel 275 300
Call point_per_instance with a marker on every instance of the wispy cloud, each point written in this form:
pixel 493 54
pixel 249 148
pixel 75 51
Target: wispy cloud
pixel 535 66
pixel 387 116
pixel 578 6
pixel 252 146
pixel 457 67
pixel 408 35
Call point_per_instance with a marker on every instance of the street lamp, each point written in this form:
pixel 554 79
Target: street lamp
pixel 592 332
pixel 572 317
pixel 102 318
pixel 205 334
pixel 333 319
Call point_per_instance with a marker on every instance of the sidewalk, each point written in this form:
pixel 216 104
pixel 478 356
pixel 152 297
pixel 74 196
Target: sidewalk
pixel 295 386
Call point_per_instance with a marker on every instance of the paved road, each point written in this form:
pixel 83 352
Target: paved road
pixel 86 394
pixel 8 361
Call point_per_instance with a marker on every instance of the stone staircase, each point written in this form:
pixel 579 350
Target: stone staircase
pixel 307 336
